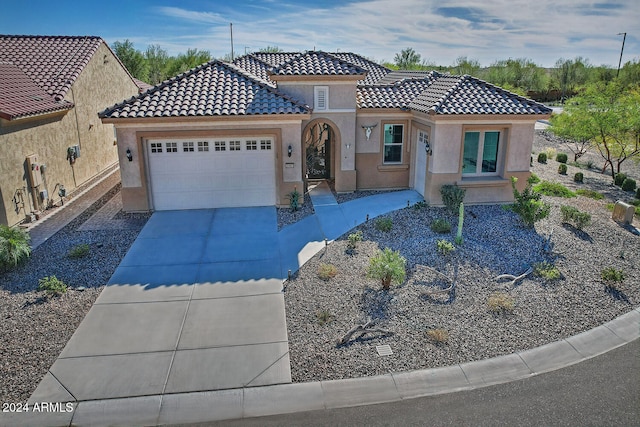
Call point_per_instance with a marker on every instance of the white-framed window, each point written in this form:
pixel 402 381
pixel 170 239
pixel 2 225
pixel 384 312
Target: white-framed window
pixel 187 147
pixel 172 147
pixel 234 145
pixel 393 143
pixel 321 97
pixel 220 145
pixel 156 147
pixel 481 152
pixel 265 144
pixel 203 145
pixel 252 145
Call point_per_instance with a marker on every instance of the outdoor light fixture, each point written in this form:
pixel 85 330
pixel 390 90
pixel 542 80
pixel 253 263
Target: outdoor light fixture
pixel 289 150
pixel 347 145
pixel 129 155
pixel 427 146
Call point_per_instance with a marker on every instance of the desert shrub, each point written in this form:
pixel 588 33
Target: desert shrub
pixel 353 239
pixel 619 179
pixel 527 205
pixel 562 169
pixel 612 276
pixel 441 226
pixel 420 205
pixel 324 317
pixel 578 177
pixel 638 193
pixel 533 179
pixel 500 302
pixel 294 199
pixel 561 158
pixel 592 194
pixel 14 246
pixel 629 184
pixel 445 247
pixel 327 271
pixel 590 164
pixel 542 157
pixel 551 152
pixel 384 224
pixel 387 266
pixel 438 335
pixel 452 196
pixel 573 215
pixel 52 286
pixel 554 189
pixel 546 270
pixel 79 251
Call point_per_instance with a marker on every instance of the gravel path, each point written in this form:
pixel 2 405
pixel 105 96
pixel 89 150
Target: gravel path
pixel 494 243
pixel 35 329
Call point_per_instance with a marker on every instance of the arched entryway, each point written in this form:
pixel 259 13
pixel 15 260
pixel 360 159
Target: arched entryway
pixel 319 142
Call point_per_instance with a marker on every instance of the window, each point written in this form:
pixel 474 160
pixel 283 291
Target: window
pixel 187 147
pixel 321 97
pixel 265 144
pixel 203 145
pixel 220 145
pixel 172 147
pixel 234 145
pixel 393 138
pixel 156 147
pixel 481 152
pixel 252 145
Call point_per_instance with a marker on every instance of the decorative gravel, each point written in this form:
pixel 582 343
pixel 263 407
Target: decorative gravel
pixel 35 328
pixel 494 243
pixel 287 217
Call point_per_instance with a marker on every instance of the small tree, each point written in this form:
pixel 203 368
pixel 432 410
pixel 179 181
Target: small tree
pixel 388 266
pixel 407 59
pixel 528 205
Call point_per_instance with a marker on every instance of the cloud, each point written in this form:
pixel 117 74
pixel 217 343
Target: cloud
pixel 193 16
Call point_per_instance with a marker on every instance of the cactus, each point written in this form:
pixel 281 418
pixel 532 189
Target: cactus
pixel 458 238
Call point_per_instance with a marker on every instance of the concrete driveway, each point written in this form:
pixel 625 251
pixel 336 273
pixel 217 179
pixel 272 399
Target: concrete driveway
pixel 195 305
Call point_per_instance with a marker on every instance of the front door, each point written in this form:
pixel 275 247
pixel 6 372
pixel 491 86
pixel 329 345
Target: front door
pixel 419 182
pixel 317 152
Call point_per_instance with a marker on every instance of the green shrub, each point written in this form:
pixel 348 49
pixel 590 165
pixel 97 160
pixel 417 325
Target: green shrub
pixel 527 205
pixel 554 189
pixel 14 246
pixel 79 251
pixel 533 179
pixel 445 247
pixel 551 152
pixel 619 179
pixel 638 193
pixel 452 196
pixel 420 205
pixel 561 158
pixel 592 194
pixel 590 164
pixel 384 224
pixel 52 286
pixel 440 226
pixel 500 302
pixel 612 277
pixel 294 199
pixel 542 157
pixel 353 239
pixel 327 271
pixel 562 169
pixel 387 266
pixel 546 270
pixel 629 184
pixel 573 215
pixel 578 177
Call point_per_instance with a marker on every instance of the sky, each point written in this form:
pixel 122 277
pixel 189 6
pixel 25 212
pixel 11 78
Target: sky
pixel 440 31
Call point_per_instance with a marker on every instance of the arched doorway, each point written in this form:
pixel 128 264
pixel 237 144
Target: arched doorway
pixel 319 144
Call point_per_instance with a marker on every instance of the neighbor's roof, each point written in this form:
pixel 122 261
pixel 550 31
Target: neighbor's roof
pixel 212 89
pixel 317 64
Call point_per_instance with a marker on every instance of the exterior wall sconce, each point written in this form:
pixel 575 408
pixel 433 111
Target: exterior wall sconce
pixel 348 145
pixel 129 155
pixel 427 146
pixel 289 150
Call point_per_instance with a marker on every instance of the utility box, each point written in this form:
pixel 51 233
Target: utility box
pixel 623 212
pixel 35 174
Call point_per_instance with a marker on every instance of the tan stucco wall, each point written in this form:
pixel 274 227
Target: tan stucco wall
pixel 101 84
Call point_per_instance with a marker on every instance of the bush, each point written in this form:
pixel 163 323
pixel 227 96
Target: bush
pixel 294 199
pixel 527 205
pixel 500 302
pixel 592 194
pixel 327 271
pixel 612 277
pixel 546 270
pixel 638 193
pixel 578 177
pixel 79 251
pixel 384 224
pixel 324 317
pixel 551 152
pixel 561 158
pixel 440 226
pixel 533 179
pixel 554 189
pixel 14 246
pixel 452 196
pixel 445 247
pixel 629 184
pixel 438 335
pixel 52 286
pixel 388 266
pixel 571 214
pixel 562 169
pixel 542 157
pixel 619 179
pixel 353 239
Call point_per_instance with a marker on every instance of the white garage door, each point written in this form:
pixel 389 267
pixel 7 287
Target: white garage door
pixel 211 173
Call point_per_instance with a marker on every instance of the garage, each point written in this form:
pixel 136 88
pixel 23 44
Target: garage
pixel 209 173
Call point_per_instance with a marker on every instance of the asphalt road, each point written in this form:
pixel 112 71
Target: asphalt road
pixel 603 391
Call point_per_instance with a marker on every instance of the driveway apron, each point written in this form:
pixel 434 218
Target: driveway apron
pixel 195 305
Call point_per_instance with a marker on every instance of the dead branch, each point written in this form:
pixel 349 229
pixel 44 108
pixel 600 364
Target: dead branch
pixel 367 328
pixel 515 279
pixel 447 278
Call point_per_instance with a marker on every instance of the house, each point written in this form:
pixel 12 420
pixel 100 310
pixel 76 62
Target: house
pixel 51 139
pixel 248 133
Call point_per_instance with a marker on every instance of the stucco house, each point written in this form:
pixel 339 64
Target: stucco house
pixel 250 132
pixel 51 89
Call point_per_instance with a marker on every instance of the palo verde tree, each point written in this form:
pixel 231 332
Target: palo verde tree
pixel 407 59
pixel 132 59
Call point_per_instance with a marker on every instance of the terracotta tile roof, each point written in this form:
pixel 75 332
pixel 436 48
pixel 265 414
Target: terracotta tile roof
pixel 398 75
pixel 276 58
pixel 375 71
pixel 142 85
pixel 256 66
pixel 21 97
pixel 211 89
pixel 398 95
pixel 317 64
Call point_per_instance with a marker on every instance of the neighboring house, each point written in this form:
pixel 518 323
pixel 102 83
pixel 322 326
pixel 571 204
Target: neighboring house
pixel 51 90
pixel 249 133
